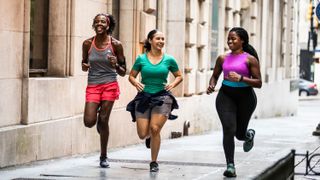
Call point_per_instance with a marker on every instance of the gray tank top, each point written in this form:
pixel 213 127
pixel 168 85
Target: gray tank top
pixel 101 71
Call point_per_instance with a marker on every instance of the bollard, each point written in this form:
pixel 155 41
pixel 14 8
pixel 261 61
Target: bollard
pixel 186 127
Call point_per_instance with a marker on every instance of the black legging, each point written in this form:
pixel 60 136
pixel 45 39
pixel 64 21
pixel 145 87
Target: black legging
pixel 235 106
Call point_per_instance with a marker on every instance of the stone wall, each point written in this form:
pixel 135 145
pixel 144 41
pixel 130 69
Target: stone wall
pixel 41 117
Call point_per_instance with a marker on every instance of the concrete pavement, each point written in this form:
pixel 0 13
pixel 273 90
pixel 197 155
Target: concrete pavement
pixel 193 157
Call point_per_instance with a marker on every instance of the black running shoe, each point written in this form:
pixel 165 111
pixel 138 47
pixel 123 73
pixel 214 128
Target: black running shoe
pixel 154 167
pixel 230 171
pixel 148 140
pixel 248 144
pixel 104 163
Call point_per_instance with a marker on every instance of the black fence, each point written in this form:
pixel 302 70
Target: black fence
pixel 285 168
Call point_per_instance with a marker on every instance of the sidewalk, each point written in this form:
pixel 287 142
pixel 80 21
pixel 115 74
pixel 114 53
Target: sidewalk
pixel 193 157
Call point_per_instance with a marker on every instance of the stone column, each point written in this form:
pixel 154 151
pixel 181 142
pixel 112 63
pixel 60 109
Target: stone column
pixel 58 41
pixel 264 34
pixel 162 15
pixel 175 35
pixel 202 45
pixel 126 29
pixel 190 54
pixel 25 67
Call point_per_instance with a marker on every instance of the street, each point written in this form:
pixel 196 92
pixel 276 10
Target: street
pixel 193 157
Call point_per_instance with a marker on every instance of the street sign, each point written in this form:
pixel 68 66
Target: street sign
pixel 318 11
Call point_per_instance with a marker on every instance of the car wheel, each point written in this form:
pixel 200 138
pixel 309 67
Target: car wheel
pixel 304 93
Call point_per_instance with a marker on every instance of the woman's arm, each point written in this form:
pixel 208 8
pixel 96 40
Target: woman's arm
pixel 133 80
pixel 215 75
pixel 119 61
pixel 85 48
pixel 177 80
pixel 254 67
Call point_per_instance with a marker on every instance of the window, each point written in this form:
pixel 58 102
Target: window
pixel 214 32
pixel 39 18
pixel 116 15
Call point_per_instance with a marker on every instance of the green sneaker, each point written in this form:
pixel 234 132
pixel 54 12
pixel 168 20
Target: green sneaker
pixel 248 144
pixel 230 171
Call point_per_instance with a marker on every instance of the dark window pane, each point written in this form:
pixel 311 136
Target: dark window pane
pixel 215 14
pixel 39 16
pixel 116 15
pixel 214 33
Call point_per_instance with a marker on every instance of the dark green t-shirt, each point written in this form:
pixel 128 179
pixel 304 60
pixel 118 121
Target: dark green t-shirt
pixel 154 77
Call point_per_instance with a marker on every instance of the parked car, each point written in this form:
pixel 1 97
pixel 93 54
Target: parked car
pixel 307 88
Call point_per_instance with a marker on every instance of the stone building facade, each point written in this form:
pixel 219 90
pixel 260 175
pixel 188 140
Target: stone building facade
pixel 43 87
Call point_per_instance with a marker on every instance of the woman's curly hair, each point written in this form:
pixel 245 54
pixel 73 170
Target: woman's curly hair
pixel 110 19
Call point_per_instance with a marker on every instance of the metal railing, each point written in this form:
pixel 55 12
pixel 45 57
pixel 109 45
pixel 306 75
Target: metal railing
pixel 312 163
pixel 285 167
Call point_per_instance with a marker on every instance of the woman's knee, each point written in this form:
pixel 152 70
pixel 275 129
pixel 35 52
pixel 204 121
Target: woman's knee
pixel 104 114
pixel 229 130
pixel 89 122
pixel 143 135
pixel 155 130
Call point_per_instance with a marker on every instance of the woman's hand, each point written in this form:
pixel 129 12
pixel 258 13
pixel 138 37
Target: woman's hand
pixel 113 61
pixel 215 74
pixel 168 87
pixel 85 67
pixel 178 79
pixel 139 86
pixel 210 89
pixel 132 79
pixel 233 76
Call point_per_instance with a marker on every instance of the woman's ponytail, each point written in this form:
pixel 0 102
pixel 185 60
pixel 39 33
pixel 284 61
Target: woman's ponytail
pixel 250 49
pixel 147 44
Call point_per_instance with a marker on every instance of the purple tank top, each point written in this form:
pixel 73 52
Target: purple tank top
pixel 237 63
